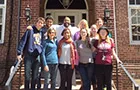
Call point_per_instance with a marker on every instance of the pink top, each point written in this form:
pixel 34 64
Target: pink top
pixel 104 49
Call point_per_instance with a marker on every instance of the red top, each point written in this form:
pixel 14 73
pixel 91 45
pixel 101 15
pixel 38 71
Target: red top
pixel 104 49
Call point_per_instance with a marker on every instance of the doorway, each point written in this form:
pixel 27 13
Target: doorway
pixel 76 10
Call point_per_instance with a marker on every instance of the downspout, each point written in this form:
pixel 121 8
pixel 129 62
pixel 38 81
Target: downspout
pixel 18 36
pixel 116 44
pixel 19 15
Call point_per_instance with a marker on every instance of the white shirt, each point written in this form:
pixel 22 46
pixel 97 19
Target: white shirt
pixel 60 28
pixel 65 55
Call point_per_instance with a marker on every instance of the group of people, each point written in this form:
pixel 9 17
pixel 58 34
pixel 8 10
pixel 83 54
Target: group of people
pixel 65 48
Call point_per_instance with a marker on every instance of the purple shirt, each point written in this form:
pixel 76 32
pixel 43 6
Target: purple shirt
pixel 104 49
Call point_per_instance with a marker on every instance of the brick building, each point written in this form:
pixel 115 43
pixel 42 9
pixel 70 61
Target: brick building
pixel 124 24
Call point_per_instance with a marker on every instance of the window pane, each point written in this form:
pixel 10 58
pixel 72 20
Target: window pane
pixel 137 1
pixel 136 32
pixel 138 12
pixel 134 38
pixel 134 20
pixel 138 20
pixel 0 15
pixel 133 12
pixel 0 31
pixel 1 1
pixel 131 1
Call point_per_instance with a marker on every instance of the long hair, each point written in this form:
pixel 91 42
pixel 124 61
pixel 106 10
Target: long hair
pixel 87 41
pixel 107 39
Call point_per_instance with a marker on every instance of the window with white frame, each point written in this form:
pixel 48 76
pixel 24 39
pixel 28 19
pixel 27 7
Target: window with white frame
pixel 134 21
pixel 2 19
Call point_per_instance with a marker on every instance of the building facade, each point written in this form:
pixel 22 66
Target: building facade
pixel 124 24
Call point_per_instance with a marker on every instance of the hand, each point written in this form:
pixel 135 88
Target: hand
pixel 46 68
pixel 19 57
pixel 119 61
pixel 29 28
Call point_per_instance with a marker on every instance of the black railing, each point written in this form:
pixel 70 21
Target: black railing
pixel 12 73
pixel 135 85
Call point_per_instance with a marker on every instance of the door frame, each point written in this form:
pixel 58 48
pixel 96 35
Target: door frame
pixel 67 12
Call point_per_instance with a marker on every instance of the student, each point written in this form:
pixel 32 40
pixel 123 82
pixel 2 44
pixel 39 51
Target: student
pixel 50 59
pixel 103 60
pixel 66 24
pixel 31 45
pixel 66 57
pixel 82 24
pixel 85 59
pixel 93 37
pixel 48 24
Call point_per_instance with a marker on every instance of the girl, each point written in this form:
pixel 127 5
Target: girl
pixel 103 60
pixel 66 55
pixel 50 59
pixel 85 59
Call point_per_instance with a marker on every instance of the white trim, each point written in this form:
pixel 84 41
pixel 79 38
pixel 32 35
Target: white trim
pixel 86 4
pixel 3 21
pixel 115 28
pixel 131 41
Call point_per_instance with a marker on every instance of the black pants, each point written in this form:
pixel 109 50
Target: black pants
pixel 66 73
pixel 104 76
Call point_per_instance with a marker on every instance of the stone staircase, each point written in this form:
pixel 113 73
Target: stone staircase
pixel 18 80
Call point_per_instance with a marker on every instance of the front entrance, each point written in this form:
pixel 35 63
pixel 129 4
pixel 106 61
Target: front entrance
pixel 76 10
pixel 74 15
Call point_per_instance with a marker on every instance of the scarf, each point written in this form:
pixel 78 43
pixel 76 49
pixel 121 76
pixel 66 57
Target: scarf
pixel 72 48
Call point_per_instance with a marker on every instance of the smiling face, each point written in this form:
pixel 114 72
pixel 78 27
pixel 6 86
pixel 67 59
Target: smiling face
pixel 99 23
pixel 67 21
pixel 51 34
pixel 83 33
pixel 49 23
pixel 93 29
pixel 66 34
pixel 39 24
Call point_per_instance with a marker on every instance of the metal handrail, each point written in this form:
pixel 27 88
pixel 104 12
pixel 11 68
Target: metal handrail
pixel 136 86
pixel 12 73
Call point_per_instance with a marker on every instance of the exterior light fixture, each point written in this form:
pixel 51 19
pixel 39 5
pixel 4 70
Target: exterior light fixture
pixel 106 14
pixel 27 13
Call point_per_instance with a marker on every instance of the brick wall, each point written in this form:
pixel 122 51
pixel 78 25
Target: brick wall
pixel 8 55
pixel 128 53
pixel 7 49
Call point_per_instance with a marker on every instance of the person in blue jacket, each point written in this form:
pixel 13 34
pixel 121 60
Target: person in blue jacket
pixel 30 47
pixel 50 59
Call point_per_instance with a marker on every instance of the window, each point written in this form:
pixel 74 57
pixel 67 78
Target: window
pixel 134 21
pixel 2 19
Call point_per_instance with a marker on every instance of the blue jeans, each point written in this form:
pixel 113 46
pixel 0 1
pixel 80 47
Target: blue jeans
pixel 31 64
pixel 51 74
pixel 86 71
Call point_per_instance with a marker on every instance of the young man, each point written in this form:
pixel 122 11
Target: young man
pixel 30 47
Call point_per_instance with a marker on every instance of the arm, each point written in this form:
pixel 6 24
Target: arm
pixel 21 45
pixel 29 27
pixel 44 57
pixel 116 57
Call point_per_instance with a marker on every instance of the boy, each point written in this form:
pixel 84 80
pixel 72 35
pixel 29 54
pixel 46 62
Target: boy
pixel 30 46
